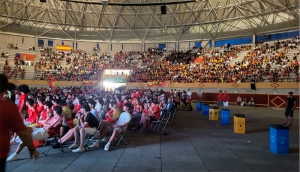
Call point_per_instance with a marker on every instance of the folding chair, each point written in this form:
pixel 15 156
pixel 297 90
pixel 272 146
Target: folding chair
pixel 166 122
pixel 95 134
pixel 173 117
pixel 50 140
pixel 121 137
pixel 162 122
pixel 155 124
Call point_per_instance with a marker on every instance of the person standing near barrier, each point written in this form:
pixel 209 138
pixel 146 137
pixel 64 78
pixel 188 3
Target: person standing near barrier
pixel 289 109
pixel 9 112
pixel 225 98
pixel 220 99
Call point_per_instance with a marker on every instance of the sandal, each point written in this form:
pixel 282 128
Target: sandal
pixel 73 146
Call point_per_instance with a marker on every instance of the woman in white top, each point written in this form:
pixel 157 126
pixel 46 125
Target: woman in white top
pixel 99 105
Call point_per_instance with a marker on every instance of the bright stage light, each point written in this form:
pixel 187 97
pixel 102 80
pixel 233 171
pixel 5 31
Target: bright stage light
pixel 109 85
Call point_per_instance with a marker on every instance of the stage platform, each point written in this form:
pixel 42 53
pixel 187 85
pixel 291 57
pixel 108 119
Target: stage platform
pixel 195 144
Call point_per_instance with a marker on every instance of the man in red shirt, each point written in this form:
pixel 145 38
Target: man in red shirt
pixel 32 112
pixel 24 90
pixel 40 105
pixel 47 112
pixel 50 128
pixel 220 99
pixel 8 114
pixel 225 99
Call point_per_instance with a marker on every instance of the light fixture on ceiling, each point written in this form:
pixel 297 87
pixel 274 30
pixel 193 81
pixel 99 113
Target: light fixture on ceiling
pixel 104 2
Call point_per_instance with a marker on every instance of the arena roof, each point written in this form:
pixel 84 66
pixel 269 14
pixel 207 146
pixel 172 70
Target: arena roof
pixel 127 21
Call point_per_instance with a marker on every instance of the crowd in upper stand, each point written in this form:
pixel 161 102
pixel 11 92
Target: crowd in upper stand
pixel 12 46
pixel 16 72
pixel 264 60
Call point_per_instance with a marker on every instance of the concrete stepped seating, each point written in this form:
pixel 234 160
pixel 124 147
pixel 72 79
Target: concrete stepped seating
pixel 240 57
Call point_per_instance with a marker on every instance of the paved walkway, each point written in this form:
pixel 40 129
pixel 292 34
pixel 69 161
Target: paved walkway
pixel 195 144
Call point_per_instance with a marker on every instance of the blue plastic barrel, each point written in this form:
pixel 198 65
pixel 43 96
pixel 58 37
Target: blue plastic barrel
pixel 225 117
pixel 279 139
pixel 199 106
pixel 205 109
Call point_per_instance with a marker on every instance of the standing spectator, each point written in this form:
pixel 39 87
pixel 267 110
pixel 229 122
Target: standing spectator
pixel 189 93
pixel 225 99
pixel 220 99
pixel 8 114
pixel 24 90
pixel 290 107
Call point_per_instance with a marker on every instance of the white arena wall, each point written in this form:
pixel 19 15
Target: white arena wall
pixel 105 47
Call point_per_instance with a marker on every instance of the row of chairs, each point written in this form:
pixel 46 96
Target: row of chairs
pixel 164 120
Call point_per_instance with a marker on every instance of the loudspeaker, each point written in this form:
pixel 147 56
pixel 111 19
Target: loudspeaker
pixel 163 9
pixel 42 0
pixel 253 87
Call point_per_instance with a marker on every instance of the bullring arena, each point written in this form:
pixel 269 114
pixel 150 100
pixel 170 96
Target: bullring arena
pixel 206 84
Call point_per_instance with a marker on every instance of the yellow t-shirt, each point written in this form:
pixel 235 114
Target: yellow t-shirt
pixel 116 114
pixel 67 110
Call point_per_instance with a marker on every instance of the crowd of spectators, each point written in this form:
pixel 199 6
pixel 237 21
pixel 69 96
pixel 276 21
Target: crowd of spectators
pixel 12 46
pixel 81 65
pixel 93 104
pixel 4 55
pixel 180 67
pixel 264 60
pixel 13 73
pixel 16 72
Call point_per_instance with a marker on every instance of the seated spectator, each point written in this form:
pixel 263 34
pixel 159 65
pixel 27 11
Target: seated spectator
pixel 137 112
pixel 49 129
pixel 67 112
pixel 170 107
pixel 115 113
pixel 47 112
pixel 238 101
pixel 76 123
pixel 154 114
pixel 120 125
pixel 99 105
pixel 107 127
pixel 251 102
pixel 92 104
pixel 163 106
pixel 89 124
pixel 244 102
pixel 40 105
pixel 78 102
pixel 32 112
